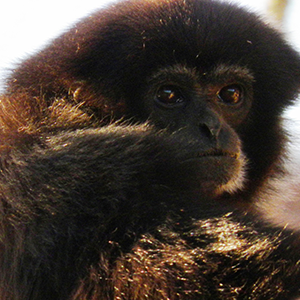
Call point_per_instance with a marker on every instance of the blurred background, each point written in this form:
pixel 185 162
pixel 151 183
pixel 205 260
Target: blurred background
pixel 26 26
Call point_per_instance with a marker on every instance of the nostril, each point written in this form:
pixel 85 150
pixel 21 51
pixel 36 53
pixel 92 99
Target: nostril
pixel 205 130
pixel 209 131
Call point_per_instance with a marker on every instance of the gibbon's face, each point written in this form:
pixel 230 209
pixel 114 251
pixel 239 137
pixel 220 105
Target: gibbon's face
pixel 202 111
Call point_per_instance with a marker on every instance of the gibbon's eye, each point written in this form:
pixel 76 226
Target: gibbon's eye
pixel 231 94
pixel 169 96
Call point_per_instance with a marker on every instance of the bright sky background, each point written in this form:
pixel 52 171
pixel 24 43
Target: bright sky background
pixel 27 25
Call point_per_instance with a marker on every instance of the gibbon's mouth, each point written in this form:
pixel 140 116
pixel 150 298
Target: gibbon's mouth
pixel 215 153
pixel 220 153
pixel 213 171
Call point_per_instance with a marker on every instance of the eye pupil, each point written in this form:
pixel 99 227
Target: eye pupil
pixel 169 95
pixel 231 94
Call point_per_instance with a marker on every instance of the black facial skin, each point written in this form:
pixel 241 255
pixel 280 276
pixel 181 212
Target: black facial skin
pixel 133 151
pixel 201 110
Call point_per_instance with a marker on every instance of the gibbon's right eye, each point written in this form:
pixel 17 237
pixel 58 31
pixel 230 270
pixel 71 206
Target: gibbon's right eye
pixel 169 96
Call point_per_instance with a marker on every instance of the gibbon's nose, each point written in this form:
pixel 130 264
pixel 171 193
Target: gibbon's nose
pixel 210 127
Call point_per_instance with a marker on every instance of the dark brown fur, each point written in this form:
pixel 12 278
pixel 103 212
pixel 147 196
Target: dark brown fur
pixel 98 200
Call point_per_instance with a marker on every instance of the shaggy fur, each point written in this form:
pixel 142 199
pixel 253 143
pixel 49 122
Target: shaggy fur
pixel 110 189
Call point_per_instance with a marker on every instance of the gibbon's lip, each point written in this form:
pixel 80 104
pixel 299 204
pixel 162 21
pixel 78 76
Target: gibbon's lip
pixel 212 171
pixel 214 153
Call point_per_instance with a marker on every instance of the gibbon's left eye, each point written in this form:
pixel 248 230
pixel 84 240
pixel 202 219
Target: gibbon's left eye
pixel 231 94
pixel 169 96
